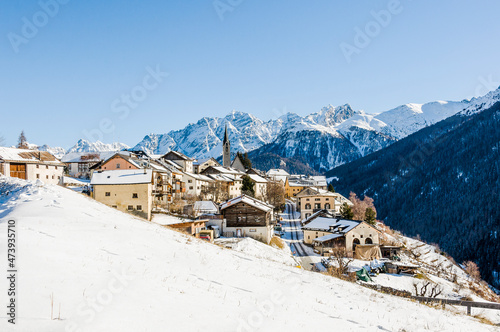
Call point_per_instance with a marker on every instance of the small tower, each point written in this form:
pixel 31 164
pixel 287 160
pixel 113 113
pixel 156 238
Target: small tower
pixel 226 150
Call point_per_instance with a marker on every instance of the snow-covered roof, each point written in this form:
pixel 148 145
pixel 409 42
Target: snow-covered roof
pixel 126 176
pixel 277 172
pixel 198 177
pixel 316 192
pixel 79 157
pixel 327 237
pixel 179 155
pixel 331 224
pixel 227 170
pixel 28 156
pixel 304 181
pixel 257 178
pixel 205 206
pixel 73 181
pixel 247 200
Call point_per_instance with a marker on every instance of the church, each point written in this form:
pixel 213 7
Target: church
pixel 226 155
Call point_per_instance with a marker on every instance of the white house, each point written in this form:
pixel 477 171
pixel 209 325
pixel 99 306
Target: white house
pixel 31 165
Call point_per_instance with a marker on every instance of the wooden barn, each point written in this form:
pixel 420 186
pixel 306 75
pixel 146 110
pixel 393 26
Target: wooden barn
pixel 248 217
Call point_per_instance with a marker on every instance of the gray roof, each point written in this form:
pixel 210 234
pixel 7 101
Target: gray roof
pixel 331 225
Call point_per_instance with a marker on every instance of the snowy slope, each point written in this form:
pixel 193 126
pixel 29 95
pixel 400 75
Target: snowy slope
pixel 109 271
pixel 98 146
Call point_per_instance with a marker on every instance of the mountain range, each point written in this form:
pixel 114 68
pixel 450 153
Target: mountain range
pixel 322 140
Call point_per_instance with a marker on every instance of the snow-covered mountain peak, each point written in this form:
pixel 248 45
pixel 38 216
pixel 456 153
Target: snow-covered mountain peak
pixel 484 102
pixel 86 146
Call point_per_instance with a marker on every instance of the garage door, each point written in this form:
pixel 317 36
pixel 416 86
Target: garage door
pixel 18 171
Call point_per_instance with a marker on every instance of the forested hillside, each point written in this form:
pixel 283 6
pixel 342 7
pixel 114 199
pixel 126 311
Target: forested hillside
pixel 442 183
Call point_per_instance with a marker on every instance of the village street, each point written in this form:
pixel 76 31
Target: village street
pixel 294 238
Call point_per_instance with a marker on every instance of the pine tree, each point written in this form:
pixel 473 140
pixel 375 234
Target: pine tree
pixel 247 186
pixel 346 212
pixel 370 216
pixel 23 142
pixel 330 188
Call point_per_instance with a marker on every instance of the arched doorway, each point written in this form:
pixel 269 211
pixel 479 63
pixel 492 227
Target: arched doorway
pixel 327 206
pixel 354 243
pixel 368 241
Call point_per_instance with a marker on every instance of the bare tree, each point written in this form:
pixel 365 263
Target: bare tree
pixel 421 289
pixel 341 262
pixel 177 205
pixel 275 194
pixel 472 270
pixel 216 191
pixel 360 207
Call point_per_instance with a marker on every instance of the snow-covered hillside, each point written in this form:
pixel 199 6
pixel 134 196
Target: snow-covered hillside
pixel 109 271
pixel 98 146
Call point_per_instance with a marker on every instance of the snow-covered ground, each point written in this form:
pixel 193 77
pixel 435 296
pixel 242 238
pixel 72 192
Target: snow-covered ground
pixel 110 271
pixel 165 219
pixel 258 249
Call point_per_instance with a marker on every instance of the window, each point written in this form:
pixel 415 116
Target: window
pixel 130 207
pixel 308 206
pixel 317 199
pixel 59 178
pixel 107 193
pixel 37 166
pixel 317 205
pixel 83 167
pixel 55 167
pixel 38 175
pixel 190 181
pixel 47 166
pixel 139 207
pixel 134 195
pixel 114 206
pixel 307 199
pixel 47 177
pixel 191 188
pixel 327 206
pixel 117 165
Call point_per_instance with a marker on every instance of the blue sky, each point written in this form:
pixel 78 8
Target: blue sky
pixel 67 80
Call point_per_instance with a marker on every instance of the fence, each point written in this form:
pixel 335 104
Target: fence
pixel 468 304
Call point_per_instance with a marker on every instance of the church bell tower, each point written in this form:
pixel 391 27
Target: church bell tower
pixel 226 150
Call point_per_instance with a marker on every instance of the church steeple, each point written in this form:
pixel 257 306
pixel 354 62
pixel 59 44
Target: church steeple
pixel 226 150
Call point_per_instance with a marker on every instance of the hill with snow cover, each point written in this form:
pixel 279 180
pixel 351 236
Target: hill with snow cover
pixel 109 271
